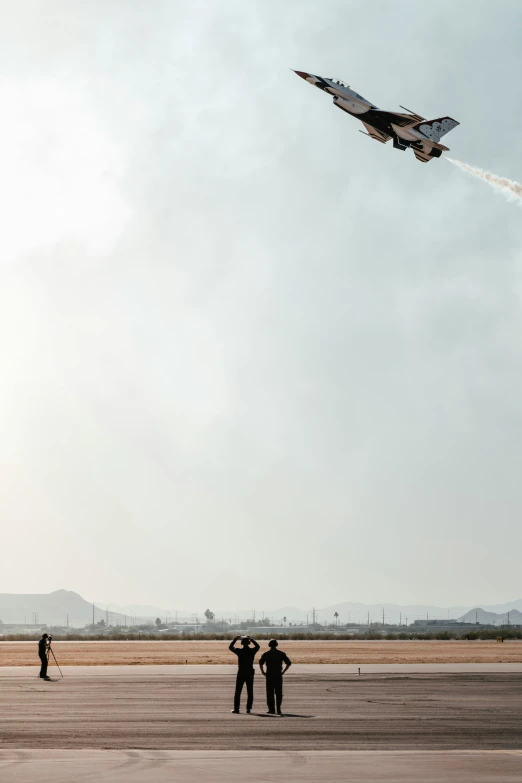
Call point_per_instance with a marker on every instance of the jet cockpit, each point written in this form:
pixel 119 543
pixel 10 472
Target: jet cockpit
pixel 340 83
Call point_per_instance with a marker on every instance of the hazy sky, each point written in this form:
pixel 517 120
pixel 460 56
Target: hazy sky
pixel 248 356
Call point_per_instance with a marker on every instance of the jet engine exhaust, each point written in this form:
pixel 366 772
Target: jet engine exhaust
pixel 512 190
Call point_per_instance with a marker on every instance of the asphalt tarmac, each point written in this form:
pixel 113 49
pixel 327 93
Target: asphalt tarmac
pixel 330 711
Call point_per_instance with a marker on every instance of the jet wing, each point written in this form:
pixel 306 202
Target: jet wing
pixel 413 114
pixel 376 134
pixel 397 118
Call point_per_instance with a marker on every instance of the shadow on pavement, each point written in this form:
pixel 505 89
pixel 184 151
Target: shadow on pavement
pixel 284 715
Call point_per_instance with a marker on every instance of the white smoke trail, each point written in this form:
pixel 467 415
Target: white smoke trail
pixel 511 189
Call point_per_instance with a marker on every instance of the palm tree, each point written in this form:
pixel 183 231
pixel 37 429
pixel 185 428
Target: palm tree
pixel 336 615
pixel 284 620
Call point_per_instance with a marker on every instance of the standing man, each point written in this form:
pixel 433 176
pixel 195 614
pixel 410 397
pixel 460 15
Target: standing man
pixel 273 659
pixel 245 670
pixel 43 646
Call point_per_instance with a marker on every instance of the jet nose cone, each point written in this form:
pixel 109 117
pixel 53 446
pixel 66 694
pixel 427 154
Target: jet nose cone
pixel 302 74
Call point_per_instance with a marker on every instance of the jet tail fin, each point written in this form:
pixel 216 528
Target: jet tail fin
pixel 434 130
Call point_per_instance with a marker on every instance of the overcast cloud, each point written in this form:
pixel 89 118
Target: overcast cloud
pixel 249 356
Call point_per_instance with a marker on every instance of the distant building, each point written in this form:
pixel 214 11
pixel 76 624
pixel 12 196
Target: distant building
pixel 439 622
pixel 446 625
pixel 282 630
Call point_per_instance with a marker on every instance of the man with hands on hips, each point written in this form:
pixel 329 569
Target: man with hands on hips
pixel 273 659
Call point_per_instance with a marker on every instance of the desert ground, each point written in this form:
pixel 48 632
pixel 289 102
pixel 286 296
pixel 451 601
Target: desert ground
pixel 216 652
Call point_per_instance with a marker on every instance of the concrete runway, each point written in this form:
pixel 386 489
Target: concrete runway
pixel 325 710
pixel 174 670
pixel 278 767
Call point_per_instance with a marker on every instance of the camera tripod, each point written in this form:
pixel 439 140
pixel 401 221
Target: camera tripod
pixel 50 651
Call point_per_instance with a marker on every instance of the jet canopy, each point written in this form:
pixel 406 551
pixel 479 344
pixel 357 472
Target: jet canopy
pixel 339 82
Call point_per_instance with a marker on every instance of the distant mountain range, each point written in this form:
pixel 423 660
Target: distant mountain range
pixel 513 617
pixel 347 612
pixel 64 606
pixel 48 609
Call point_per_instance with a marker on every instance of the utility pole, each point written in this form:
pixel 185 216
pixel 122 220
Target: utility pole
pixel 67 622
pixel 106 616
pixel 383 615
pixel 368 618
pixel 93 617
pixel 400 618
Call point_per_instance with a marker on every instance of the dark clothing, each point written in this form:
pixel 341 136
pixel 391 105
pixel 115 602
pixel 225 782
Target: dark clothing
pixel 245 658
pixel 247 679
pixel 273 659
pixel 274 688
pixel 245 672
pixel 43 667
pixel 42 654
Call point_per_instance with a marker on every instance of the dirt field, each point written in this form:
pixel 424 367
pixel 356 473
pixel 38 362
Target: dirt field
pixel 353 652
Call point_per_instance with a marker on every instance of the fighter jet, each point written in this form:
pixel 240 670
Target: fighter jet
pixel 406 130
